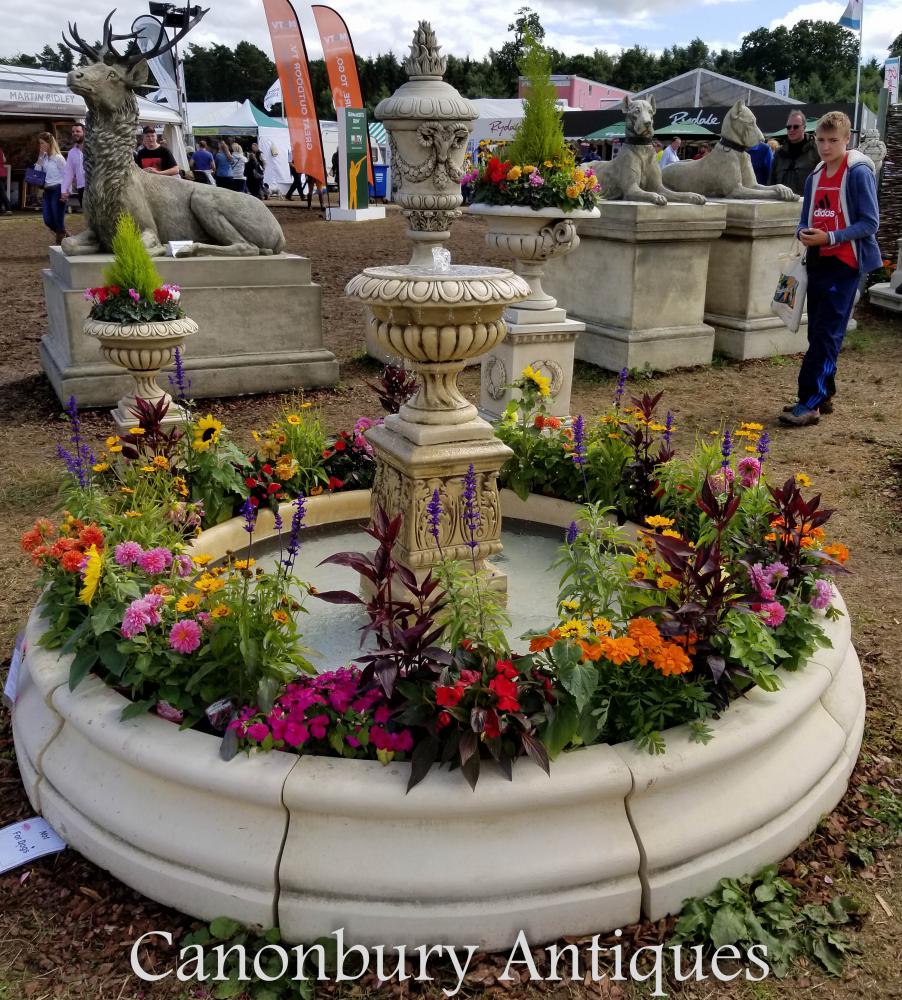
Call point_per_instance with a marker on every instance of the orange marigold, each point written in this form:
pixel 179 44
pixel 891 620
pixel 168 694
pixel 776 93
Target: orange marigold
pixel 646 636
pixel 671 660
pixel 591 650
pixel 539 642
pixel 619 650
pixel 72 560
pixel 838 551
pixel 91 535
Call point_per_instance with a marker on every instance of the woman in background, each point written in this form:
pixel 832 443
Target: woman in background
pixel 52 162
pixel 223 160
pixel 238 162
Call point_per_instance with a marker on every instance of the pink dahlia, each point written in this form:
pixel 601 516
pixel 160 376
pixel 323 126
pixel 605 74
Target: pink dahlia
pixel 155 560
pixel 773 613
pixel 185 636
pixel 127 553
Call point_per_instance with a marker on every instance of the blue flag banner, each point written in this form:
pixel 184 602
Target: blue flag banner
pixel 852 15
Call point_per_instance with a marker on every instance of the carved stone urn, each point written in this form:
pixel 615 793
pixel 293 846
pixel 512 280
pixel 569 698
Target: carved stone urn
pixel 143 349
pixel 428 125
pixel 437 321
pixel 532 236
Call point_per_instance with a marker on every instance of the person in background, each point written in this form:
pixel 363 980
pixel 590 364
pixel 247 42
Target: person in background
pixel 659 149
pixel 4 198
pixel 75 167
pixel 52 162
pixel 153 157
pixel 253 172
pixel 223 160
pixel 314 186
pixel 840 218
pixel 670 154
pixel 239 161
pixel 203 164
pixel 774 145
pixel 762 157
pixel 335 174
pixel 796 158
pixel 703 151
pixel 297 182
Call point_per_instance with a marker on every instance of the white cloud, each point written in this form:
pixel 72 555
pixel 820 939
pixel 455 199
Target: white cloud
pixel 882 22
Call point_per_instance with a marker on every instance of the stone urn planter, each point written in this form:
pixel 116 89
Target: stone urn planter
pixel 532 236
pixel 143 349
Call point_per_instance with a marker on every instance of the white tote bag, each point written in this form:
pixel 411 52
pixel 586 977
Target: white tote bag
pixel 788 302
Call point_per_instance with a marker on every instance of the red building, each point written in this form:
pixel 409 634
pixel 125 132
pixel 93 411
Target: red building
pixel 582 94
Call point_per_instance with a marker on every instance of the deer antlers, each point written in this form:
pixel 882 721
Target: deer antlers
pixel 107 53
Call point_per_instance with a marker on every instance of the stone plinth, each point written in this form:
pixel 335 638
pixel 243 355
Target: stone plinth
pixel 888 294
pixel 637 281
pixel 370 214
pixel 742 276
pixel 259 320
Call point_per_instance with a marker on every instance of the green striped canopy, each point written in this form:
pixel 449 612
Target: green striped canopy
pixel 378 134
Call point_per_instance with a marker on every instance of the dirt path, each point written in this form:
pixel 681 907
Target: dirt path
pixel 66 927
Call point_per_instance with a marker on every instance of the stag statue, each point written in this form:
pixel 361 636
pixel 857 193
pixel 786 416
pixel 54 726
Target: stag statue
pixel 216 221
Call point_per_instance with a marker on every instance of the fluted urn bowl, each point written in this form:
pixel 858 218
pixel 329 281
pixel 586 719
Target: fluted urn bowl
pixel 438 321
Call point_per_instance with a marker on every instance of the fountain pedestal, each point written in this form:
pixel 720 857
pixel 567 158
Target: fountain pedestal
pixel 437 321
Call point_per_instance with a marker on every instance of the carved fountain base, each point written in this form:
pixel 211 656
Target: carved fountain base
pixel 437 321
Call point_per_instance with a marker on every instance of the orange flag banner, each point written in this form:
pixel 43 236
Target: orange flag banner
pixel 341 64
pixel 297 91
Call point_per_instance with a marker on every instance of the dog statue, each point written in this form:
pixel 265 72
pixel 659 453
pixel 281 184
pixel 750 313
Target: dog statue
pixel 636 174
pixel 873 147
pixel 727 172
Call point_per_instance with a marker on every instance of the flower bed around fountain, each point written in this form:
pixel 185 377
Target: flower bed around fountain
pixel 611 834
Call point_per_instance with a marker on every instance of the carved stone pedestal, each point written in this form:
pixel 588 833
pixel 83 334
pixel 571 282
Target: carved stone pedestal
pixel 638 281
pixel 888 294
pixel 742 276
pixel 437 320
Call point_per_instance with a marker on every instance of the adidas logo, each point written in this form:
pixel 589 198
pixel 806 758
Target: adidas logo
pixel 824 213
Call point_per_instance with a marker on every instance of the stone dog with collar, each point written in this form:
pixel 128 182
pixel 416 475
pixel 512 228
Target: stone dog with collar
pixel 636 174
pixel 727 172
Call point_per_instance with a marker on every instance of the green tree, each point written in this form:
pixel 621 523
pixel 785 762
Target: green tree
pixel 540 134
pixel 507 60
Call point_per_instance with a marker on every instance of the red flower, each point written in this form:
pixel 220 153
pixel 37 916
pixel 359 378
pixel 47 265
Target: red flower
pixel 91 535
pixel 491 727
pixel 506 692
pixel 506 669
pixel 250 482
pixel 326 453
pixel 539 422
pixel 114 289
pixel 267 469
pixel 443 720
pixel 273 488
pixel 496 170
pixel 339 445
pixel 71 561
pixel 448 697
pixel 254 501
pixel 334 483
pixel 468 677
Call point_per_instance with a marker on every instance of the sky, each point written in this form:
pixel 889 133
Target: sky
pixel 472 29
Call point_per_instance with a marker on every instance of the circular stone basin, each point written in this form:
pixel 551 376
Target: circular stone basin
pixel 313 844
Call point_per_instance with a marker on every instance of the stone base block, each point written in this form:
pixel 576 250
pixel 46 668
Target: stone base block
pixel 638 267
pixel 656 348
pixel 259 319
pixel 355 214
pixel 883 296
pixel 757 338
pixel 548 347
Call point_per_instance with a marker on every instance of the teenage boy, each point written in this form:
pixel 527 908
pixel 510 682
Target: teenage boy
pixel 839 219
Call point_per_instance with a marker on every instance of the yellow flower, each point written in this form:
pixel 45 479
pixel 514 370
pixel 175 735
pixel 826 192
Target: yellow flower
pixel 293 419
pixel 115 448
pixel 91 575
pixel 573 190
pixel 100 466
pixel 305 406
pixel 127 490
pixel 281 617
pixel 136 430
pixel 181 487
pixel 573 628
pixel 190 602
pixel 751 449
pixel 547 164
pixel 206 432
pixel 286 467
pixel 209 584
pixel 670 533
pixel 636 573
pixel 539 381
pixel 244 563
pixel 529 169
pixel 316 490
pixel 255 435
pixel 666 582
pixel 221 611
pixel 657 521
pixel 132 513
pixel 601 625
pixel 112 440
pixel 752 427
pixel 148 468
pixel 161 461
pixel 201 559
pixel 570 605
pixel 803 480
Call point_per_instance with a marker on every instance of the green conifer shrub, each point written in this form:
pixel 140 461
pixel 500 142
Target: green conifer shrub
pixel 540 134
pixel 132 266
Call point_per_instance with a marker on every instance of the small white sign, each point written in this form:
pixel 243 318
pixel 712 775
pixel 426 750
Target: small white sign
pixel 27 841
pixel 174 247
pixel 11 687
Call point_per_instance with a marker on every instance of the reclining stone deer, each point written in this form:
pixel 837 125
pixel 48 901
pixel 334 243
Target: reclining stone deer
pixel 216 221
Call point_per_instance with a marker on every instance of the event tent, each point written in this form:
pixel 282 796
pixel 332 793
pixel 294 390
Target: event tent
pixel 42 94
pixel 618 131
pixel 701 87
pixel 499 117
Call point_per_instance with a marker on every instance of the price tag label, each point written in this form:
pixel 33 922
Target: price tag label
pixel 11 686
pixel 27 841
